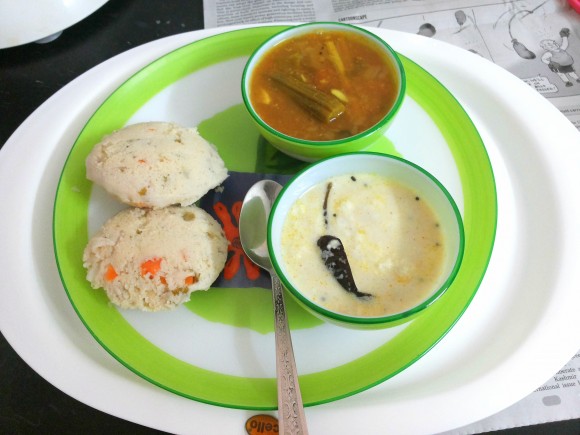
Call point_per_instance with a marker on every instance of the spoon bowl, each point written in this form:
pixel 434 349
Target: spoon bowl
pixel 254 221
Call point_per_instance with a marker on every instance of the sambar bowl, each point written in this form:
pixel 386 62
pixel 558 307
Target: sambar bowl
pixel 320 89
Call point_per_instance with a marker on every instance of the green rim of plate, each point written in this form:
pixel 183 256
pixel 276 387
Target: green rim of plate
pixel 122 341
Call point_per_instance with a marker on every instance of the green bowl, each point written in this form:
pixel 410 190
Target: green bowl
pixel 309 150
pixel 403 171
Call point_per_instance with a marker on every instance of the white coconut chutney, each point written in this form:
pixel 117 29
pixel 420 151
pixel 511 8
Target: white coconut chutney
pixel 391 236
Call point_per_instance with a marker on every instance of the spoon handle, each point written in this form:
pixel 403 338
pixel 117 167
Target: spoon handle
pixel 290 409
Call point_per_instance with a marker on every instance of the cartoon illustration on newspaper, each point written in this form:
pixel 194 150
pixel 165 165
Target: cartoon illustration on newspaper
pixel 558 59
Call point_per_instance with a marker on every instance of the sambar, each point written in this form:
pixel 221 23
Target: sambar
pixel 324 85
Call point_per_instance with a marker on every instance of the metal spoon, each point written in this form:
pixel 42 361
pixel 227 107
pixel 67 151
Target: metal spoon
pixel 253 236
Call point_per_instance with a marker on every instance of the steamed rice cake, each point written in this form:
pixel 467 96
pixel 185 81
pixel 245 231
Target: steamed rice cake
pixel 155 164
pixel 153 259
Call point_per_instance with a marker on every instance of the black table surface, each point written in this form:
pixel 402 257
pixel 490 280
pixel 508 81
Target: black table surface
pixel 29 75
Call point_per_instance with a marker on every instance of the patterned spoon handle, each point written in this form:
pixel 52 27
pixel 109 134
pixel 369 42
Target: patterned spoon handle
pixel 290 409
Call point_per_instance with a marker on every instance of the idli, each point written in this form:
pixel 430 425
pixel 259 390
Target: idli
pixel 152 259
pixel 155 165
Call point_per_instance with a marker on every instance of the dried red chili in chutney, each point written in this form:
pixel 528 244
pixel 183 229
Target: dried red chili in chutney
pixel 324 85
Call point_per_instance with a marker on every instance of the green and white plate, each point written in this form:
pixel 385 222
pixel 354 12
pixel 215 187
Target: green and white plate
pixel 219 347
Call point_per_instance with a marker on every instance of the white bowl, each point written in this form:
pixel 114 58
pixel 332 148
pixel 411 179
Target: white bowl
pixel 405 172
pixel 312 150
pixel 24 21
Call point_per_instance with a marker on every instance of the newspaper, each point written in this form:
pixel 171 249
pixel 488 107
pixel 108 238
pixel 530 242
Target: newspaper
pixel 537 41
pixel 558 399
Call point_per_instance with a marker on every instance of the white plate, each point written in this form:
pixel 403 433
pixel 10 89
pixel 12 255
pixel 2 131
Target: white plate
pixel 520 329
pixel 24 21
